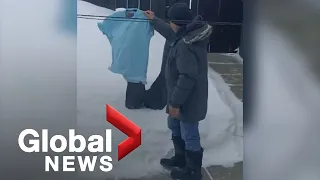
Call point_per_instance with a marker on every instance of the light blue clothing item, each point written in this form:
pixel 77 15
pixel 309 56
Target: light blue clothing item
pixel 130 40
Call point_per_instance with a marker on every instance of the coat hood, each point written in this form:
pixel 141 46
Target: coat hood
pixel 197 31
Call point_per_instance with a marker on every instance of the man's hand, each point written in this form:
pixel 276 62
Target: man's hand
pixel 149 14
pixel 174 112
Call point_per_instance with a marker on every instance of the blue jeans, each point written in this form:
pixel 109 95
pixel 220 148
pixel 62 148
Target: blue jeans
pixel 189 132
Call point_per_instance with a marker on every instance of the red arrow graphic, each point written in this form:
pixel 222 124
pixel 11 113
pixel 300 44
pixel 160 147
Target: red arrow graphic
pixel 126 126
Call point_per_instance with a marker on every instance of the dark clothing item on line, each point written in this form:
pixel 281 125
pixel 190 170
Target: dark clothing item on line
pixel 135 94
pixel 156 96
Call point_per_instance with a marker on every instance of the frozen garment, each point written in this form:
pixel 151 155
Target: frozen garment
pixel 130 40
pixel 135 95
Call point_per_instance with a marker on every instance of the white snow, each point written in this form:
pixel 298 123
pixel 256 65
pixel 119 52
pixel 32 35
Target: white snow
pixel 37 80
pixel 235 56
pixel 120 9
pixel 221 132
pixel 33 50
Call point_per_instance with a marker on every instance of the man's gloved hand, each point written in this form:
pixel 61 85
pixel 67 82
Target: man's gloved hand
pixel 149 14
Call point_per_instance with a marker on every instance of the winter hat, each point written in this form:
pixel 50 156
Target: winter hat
pixel 180 14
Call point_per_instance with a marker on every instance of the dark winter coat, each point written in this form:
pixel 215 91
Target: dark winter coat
pixel 187 71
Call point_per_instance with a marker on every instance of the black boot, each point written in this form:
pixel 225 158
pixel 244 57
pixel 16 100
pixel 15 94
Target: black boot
pixel 178 160
pixel 192 171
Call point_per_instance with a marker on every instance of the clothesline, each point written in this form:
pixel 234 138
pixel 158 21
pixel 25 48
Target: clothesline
pixel 96 17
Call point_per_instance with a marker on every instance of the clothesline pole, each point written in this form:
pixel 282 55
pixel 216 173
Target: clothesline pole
pixel 150 5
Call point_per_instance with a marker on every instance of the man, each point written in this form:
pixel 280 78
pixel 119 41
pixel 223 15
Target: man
pixel 187 85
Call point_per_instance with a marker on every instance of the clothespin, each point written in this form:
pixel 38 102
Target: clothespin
pixel 130 12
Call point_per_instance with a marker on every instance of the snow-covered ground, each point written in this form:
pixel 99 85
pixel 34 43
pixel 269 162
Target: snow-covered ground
pixel 221 132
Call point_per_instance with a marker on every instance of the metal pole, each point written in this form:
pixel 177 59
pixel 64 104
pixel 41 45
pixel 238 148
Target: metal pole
pixel 150 5
pixel 127 4
pixel 198 7
pixel 190 4
pixel 139 4
pixel 219 8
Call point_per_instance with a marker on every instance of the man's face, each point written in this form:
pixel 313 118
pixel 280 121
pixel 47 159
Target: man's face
pixel 173 27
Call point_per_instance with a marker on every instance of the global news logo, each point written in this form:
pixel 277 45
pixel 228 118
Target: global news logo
pixel 94 144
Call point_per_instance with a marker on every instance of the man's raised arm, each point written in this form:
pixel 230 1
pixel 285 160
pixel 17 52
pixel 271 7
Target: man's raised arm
pixel 161 26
